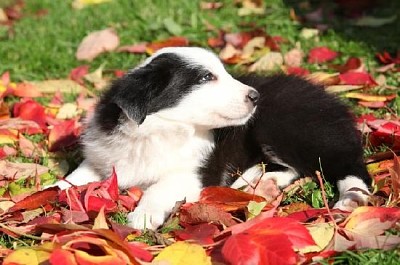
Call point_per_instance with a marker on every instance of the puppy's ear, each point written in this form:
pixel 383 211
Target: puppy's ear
pixel 135 92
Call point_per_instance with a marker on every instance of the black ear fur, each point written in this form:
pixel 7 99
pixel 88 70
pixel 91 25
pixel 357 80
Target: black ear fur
pixel 131 95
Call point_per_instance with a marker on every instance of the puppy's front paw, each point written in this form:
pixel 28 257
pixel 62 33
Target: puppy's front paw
pixel 63 185
pixel 351 200
pixel 142 218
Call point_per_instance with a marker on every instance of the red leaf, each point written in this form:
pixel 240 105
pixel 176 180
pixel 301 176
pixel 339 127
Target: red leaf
pixel 297 71
pixel 170 42
pixel 72 197
pixel 321 55
pixel 202 233
pixel 227 198
pixel 32 111
pixel 111 185
pixel 78 73
pixel 96 203
pixel 204 213
pixel 275 249
pixel 356 78
pixel 351 64
pixel 63 135
pixel 36 200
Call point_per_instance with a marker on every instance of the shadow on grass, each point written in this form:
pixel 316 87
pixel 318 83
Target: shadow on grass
pixel 340 16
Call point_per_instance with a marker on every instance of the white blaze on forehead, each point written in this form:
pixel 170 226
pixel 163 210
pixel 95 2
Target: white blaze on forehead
pixel 193 55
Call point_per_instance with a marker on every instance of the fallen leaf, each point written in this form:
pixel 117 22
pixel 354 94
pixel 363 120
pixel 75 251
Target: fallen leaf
pixel 96 43
pixel 322 234
pixel 67 111
pixel 201 233
pixel 31 110
pixel 269 62
pixel 182 253
pixel 26 90
pixel 11 170
pixel 36 200
pixel 321 55
pixel 61 85
pixel 64 134
pixel 294 57
pixel 96 78
pixel 78 4
pixel 372 104
pixel 135 48
pixel 342 88
pixel 357 78
pixel 170 42
pixel 197 213
pixel 229 54
pixel 62 256
pixel 100 222
pixel 368 97
pixel 78 73
pixel 26 256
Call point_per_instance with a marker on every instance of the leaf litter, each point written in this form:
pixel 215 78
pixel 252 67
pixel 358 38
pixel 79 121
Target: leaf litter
pixel 254 226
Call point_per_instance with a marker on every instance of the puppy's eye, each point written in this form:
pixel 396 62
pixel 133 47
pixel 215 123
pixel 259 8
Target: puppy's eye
pixel 207 77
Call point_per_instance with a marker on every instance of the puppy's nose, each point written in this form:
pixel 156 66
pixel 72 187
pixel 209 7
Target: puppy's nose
pixel 253 96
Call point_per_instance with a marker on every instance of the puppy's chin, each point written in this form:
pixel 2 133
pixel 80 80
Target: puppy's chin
pixel 234 120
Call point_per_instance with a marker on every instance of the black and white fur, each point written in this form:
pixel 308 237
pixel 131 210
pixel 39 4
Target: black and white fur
pixel 179 122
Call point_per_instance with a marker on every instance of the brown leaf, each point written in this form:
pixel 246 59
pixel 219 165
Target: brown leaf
pixel 204 213
pixel 96 43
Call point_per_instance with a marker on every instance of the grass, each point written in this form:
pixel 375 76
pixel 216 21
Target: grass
pixel 43 47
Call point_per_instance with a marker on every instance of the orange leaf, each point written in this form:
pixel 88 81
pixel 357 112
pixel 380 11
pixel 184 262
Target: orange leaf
pixel 26 90
pixel 36 200
pixel 62 256
pixel 227 198
pixel 170 42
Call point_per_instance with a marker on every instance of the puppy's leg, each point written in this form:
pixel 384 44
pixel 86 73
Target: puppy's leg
pixel 159 199
pixel 82 175
pixel 256 173
pixel 353 192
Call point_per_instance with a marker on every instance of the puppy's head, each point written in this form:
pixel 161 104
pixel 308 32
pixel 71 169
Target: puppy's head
pixel 187 85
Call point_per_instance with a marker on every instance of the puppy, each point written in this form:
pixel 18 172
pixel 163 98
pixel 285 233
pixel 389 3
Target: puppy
pixel 179 122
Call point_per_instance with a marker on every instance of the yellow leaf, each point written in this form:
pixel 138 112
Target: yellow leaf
pixel 182 253
pixel 100 221
pixel 341 88
pixel 26 256
pixel 365 97
pixel 62 85
pixel 322 233
pixel 82 3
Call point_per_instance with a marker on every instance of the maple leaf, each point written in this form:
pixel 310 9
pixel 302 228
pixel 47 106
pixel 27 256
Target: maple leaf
pixel 321 55
pixel 196 213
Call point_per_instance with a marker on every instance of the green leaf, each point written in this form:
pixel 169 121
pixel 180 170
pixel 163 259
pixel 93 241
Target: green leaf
pixel 255 208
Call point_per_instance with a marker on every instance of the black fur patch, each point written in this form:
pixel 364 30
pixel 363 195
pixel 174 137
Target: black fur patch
pixel 301 123
pixel 160 84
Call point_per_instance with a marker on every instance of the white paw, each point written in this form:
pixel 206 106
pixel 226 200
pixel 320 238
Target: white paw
pixel 350 200
pixel 63 185
pixel 145 219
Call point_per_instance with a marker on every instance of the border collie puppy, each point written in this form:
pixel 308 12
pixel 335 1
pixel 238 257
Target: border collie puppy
pixel 179 122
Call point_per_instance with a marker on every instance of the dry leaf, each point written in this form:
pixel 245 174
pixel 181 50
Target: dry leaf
pixel 78 4
pixel 182 253
pixel 96 43
pixel 294 57
pixel 62 85
pixel 268 62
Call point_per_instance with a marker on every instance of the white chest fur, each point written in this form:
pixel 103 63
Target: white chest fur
pixel 146 154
